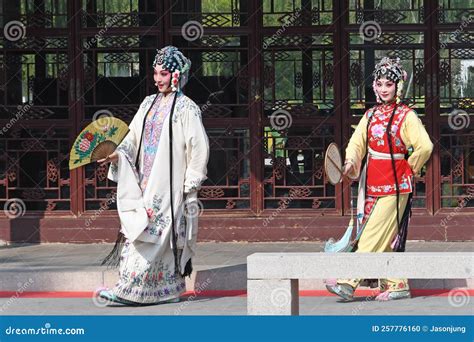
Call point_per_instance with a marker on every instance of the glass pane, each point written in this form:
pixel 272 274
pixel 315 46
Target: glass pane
pixel 100 192
pixel 119 13
pixel 456 76
pixel 299 75
pixel 228 170
pixel 456 11
pixel 219 81
pixel 118 74
pixel 457 167
pixel 287 13
pixel 35 85
pixel 193 16
pixel 366 12
pixel 17 15
pixel 293 167
pixel 118 64
pixel 34 167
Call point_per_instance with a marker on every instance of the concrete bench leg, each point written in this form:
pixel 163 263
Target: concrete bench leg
pixel 273 297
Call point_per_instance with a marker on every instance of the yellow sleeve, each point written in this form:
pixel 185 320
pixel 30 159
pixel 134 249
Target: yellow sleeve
pixel 414 135
pixel 356 148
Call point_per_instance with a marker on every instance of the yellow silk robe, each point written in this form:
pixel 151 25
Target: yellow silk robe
pixel 381 226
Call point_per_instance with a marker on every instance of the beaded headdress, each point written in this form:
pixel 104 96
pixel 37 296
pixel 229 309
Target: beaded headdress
pixel 173 60
pixel 392 70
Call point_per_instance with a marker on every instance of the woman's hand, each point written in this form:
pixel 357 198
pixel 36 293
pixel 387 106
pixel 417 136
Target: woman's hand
pixel 110 158
pixel 347 168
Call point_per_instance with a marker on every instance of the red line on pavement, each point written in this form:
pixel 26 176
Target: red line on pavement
pixel 47 294
pixel 234 293
pixel 216 293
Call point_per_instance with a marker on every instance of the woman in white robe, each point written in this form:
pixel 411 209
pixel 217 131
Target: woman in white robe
pixel 153 264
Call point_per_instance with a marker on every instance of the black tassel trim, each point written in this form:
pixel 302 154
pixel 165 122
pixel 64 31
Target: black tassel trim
pixel 113 258
pixel 188 269
pixel 403 232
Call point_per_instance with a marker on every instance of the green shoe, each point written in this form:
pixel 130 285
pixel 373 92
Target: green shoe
pixel 344 291
pixel 107 294
pixel 172 300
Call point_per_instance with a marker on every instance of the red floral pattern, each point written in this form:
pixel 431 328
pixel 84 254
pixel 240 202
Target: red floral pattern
pixel 89 136
pixel 380 178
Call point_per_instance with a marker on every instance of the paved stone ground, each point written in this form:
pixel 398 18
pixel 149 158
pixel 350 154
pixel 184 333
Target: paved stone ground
pixel 226 261
pixel 209 254
pixel 237 306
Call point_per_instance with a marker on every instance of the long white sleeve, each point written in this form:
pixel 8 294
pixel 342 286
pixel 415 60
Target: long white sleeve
pixel 197 148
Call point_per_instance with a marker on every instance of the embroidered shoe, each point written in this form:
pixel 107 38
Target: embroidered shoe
pixel 107 294
pixel 344 291
pixel 172 300
pixel 393 295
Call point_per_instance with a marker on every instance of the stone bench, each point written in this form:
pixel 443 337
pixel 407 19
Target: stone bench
pixel 272 278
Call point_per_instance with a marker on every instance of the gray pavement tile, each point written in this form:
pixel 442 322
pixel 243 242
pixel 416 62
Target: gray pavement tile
pixel 233 306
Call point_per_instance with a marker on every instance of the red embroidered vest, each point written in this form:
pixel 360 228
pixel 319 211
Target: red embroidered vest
pixel 380 177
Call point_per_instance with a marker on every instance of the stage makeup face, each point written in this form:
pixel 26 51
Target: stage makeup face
pixel 162 79
pixel 386 89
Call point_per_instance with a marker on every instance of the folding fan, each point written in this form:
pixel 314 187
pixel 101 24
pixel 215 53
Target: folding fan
pixel 98 140
pixel 333 168
pixel 333 164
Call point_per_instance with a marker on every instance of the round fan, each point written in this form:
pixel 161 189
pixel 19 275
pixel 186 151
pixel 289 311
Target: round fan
pixel 333 164
pixel 98 140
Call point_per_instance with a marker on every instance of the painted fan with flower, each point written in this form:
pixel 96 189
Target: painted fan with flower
pixel 98 140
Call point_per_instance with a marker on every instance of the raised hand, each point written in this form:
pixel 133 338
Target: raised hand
pixel 110 158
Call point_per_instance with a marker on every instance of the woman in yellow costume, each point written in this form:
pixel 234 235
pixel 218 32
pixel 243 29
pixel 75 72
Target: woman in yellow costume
pixel 387 177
